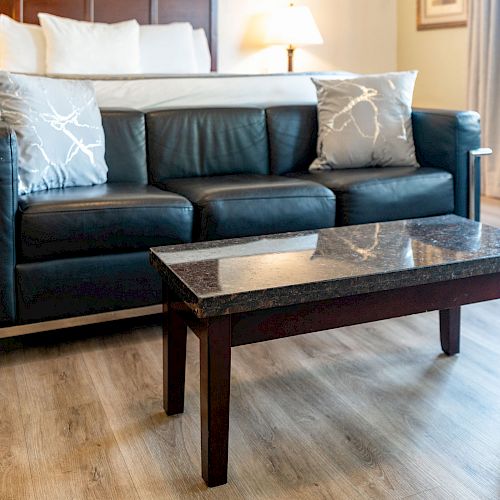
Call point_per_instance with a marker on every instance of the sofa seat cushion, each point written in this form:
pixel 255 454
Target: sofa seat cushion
pixel 247 205
pixel 101 219
pixel 382 194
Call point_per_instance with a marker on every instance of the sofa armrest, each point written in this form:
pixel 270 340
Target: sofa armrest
pixel 443 139
pixel 8 209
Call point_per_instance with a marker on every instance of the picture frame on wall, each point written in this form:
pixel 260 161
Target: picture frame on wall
pixel 435 14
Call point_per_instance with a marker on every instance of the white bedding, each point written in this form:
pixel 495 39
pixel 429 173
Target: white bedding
pixel 152 92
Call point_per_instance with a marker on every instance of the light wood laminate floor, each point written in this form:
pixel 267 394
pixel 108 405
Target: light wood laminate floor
pixel 373 411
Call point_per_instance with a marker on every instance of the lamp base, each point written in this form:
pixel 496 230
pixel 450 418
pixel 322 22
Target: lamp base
pixel 291 51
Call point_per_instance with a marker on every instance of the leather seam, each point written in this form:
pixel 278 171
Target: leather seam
pixel 13 223
pixel 268 199
pixel 390 182
pixel 55 212
pixel 442 114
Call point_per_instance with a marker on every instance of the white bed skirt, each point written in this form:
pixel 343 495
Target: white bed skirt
pixel 147 93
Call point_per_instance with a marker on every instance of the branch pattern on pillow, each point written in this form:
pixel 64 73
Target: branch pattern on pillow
pixel 59 131
pixel 346 115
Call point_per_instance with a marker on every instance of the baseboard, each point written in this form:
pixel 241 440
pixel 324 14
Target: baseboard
pixel 59 324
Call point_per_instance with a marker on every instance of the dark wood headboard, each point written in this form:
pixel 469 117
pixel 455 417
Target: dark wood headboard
pixel 200 13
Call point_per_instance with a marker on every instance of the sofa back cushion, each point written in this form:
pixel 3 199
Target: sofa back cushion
pixel 293 137
pixel 125 134
pixel 205 142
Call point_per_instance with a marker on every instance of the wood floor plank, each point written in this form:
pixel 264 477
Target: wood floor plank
pixel 417 405
pixel 316 411
pixel 15 473
pixel 73 454
pixel 434 494
pixel 490 211
pixel 71 448
pixel 54 383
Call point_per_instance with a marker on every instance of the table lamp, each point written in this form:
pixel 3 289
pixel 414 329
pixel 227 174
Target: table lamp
pixel 293 26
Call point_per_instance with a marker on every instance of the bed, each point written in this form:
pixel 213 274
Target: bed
pixel 154 92
pixel 149 92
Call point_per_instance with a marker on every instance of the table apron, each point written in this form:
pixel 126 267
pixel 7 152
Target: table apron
pixel 280 322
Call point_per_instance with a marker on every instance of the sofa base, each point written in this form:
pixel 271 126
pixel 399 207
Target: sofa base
pixel 92 319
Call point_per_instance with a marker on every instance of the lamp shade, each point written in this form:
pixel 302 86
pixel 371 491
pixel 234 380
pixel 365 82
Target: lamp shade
pixel 293 25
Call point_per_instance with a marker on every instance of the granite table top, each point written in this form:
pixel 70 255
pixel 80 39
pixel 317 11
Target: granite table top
pixel 222 277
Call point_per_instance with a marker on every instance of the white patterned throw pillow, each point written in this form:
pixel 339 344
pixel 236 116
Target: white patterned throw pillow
pixel 59 131
pixel 366 121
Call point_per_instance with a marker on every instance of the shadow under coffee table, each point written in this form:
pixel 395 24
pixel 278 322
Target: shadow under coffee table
pixel 248 290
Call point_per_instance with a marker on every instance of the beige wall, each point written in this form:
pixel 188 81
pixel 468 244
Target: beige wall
pixel 441 57
pixel 360 36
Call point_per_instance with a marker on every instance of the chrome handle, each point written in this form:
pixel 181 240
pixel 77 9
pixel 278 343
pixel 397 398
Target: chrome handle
pixel 475 156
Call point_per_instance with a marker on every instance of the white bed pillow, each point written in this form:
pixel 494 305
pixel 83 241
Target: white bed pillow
pixel 22 47
pixel 167 49
pixel 59 131
pixel 82 48
pixel 202 51
pixel 366 121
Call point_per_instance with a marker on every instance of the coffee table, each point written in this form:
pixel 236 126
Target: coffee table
pixel 248 290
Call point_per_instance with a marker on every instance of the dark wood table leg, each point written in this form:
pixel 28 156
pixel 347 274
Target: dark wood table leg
pixel 215 381
pixel 449 324
pixel 174 357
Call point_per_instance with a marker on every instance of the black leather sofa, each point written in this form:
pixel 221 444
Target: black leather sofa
pixel 185 175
